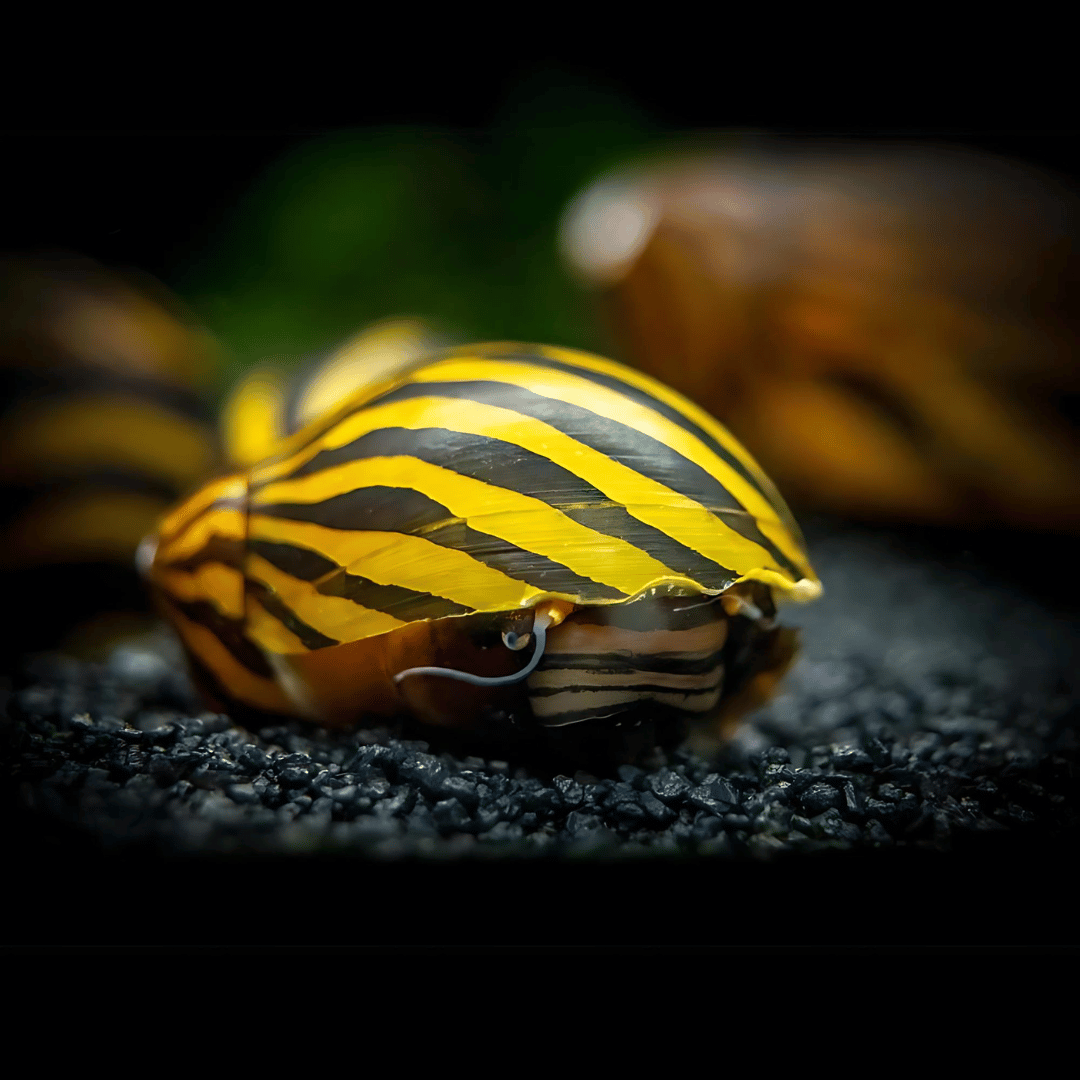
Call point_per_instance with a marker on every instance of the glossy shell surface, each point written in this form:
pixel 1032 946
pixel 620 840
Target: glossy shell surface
pixel 486 481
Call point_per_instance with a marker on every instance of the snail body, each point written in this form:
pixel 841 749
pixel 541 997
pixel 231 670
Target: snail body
pixel 501 538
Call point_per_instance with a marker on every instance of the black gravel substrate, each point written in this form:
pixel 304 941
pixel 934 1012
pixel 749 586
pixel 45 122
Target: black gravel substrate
pixel 915 781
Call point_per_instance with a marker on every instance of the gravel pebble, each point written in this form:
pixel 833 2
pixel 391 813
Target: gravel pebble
pixel 927 706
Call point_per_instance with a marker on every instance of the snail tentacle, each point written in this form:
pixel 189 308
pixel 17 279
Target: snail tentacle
pixel 539 632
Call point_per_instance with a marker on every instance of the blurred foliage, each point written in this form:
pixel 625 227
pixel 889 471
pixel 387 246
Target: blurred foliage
pixel 458 228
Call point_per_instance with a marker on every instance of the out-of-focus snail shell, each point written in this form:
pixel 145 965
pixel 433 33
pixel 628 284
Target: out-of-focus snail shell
pixel 891 330
pixel 105 421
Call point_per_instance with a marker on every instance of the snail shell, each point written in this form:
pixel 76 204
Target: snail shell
pixel 105 421
pixel 502 537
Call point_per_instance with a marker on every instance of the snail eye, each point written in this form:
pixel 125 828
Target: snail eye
pixel 515 642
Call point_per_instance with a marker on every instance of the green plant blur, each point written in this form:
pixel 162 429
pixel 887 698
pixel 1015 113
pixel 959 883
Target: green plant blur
pixel 457 228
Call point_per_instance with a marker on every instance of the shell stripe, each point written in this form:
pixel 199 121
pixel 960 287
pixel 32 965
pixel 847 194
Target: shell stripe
pixel 557 681
pixel 298 562
pixel 681 669
pixel 256 688
pixel 310 614
pixel 693 642
pixel 411 562
pixel 890 410
pixel 100 432
pixel 212 582
pixel 696 544
pixel 612 662
pixel 270 633
pixel 80 477
pixel 601 704
pixel 229 491
pixel 650 400
pixel 217 524
pixel 683 411
pixel 217 549
pixel 407 604
pixel 686 435
pixel 568 474
pixel 521 535
pixel 76 381
pixel 274 605
pixel 353 511
pixel 227 633
pixel 583 389
pixel 626 445
pixel 641 414
pixel 332 580
pixel 510 465
pixel 77 525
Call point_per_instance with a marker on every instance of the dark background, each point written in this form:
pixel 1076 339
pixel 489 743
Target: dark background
pixel 142 172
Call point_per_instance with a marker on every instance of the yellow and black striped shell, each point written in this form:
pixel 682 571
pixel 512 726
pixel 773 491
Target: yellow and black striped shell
pixel 270 404
pixel 442 508
pixel 105 421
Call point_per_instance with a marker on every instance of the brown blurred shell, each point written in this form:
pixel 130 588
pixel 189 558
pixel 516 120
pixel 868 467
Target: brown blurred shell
pixel 891 331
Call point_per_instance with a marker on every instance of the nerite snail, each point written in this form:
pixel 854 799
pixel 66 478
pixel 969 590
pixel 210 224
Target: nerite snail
pixel 105 421
pixel 883 324
pixel 504 540
pixel 269 403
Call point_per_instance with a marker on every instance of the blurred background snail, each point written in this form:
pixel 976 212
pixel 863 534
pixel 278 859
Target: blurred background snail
pixel 273 401
pixel 106 418
pixel 892 330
